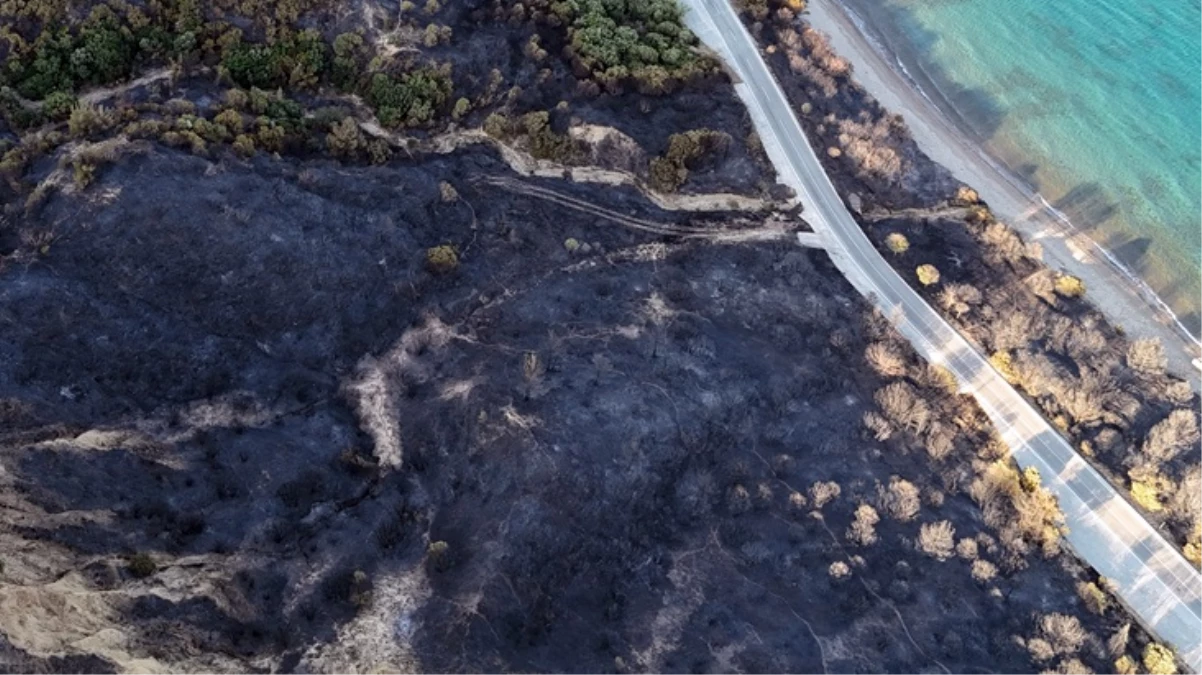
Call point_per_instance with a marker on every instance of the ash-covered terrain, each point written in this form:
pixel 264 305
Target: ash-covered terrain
pixel 302 379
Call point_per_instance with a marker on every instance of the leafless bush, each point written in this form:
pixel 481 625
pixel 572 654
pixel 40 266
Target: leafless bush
pixel 901 405
pixel 1171 435
pixel 940 442
pixel 879 426
pixel 1011 330
pixel 1085 400
pixel 1043 284
pixel 1117 644
pixel 959 298
pixel 810 55
pixel 1039 519
pixel 839 570
pixel 1004 244
pixel 695 493
pixel 824 83
pixel 900 499
pixel 1178 392
pixel 1058 330
pixel 937 539
pixel 1063 632
pixel 869 145
pixel 1085 343
pixel 818 46
pixel 1040 650
pixel 863 528
pixel 1021 516
pixel 1147 356
pixel 967 548
pixel 983 571
pixel 797 501
pixel 822 492
pixel 1070 666
pixel 1037 374
pixel 1186 502
pixel 738 500
pixel 763 495
pixel 885 359
pixel 933 497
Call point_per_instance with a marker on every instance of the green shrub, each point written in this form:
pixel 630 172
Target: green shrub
pixel 237 99
pixel 141 565
pixel 101 52
pixel 345 140
pixel 442 259
pixel 410 100
pixel 297 61
pixel 58 106
pixel 244 145
pixel 927 275
pixel 86 120
pixel 84 173
pixel 438 554
pixel 285 111
pixel 666 175
pixel 496 125
pixel 544 142
pixel 230 119
pixel 348 60
pixel 270 135
pixel 379 151
pixel 259 100
pixel 641 39
pixel 669 172
pixel 104 53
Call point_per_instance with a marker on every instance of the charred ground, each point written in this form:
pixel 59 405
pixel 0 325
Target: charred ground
pixel 361 391
pixel 247 426
pixel 1109 394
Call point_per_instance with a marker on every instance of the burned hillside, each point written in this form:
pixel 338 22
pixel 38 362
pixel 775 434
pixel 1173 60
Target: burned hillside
pixel 254 420
pixel 439 337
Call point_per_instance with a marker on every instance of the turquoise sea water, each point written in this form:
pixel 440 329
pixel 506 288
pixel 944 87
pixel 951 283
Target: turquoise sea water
pixel 1097 103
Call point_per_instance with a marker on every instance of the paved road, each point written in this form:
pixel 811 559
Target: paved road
pixel 1152 578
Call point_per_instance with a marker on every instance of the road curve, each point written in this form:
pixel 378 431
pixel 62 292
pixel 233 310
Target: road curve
pixel 1151 577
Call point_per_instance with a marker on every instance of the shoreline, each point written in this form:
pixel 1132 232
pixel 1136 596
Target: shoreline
pixel 1124 298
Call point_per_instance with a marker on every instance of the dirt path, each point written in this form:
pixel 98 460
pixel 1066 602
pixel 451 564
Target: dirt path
pixel 768 232
pixel 527 165
pixel 104 93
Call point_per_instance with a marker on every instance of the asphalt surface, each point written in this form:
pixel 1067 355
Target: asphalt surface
pixel 1151 577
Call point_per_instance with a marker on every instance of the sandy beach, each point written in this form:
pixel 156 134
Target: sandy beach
pixel 1120 298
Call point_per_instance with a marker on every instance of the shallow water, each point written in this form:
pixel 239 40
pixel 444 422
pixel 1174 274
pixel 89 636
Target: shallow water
pixel 1097 103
